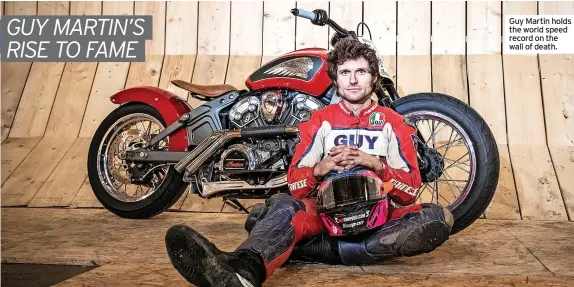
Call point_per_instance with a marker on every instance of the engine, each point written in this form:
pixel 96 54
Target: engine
pixel 255 161
pixel 273 108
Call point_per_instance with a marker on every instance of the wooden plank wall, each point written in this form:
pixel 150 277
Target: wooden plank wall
pixel 557 77
pixel 51 110
pixel 30 124
pixel 536 184
pixel 486 94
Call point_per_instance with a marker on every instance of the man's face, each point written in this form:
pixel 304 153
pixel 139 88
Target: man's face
pixel 354 81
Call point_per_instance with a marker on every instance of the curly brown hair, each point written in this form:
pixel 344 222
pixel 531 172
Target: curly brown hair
pixel 351 49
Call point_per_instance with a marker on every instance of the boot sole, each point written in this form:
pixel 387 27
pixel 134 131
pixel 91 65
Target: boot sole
pixel 195 260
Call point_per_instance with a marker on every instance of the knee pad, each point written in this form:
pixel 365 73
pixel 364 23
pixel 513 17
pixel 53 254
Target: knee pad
pixel 282 201
pixel 257 212
pixel 277 201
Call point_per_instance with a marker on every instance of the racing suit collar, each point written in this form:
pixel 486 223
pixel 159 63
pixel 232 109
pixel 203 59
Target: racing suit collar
pixel 363 112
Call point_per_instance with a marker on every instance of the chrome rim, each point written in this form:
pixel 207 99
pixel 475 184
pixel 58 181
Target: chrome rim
pixel 444 135
pixel 128 133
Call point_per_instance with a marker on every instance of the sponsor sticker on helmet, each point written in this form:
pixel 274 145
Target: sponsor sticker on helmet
pixel 377 119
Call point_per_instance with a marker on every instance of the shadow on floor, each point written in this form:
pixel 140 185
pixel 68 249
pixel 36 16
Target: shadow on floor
pixel 39 274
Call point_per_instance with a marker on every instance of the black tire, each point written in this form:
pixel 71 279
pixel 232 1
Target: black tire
pixel 487 157
pixel 166 194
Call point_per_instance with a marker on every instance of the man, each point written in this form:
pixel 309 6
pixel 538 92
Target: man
pixel 354 132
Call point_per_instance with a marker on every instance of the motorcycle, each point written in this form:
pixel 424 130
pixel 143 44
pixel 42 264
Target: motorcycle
pixel 239 143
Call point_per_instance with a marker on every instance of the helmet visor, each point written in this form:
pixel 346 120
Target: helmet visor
pixel 348 190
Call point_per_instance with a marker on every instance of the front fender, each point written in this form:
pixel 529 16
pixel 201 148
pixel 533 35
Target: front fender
pixel 167 104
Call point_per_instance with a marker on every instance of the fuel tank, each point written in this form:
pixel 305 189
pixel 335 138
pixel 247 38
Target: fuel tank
pixel 303 70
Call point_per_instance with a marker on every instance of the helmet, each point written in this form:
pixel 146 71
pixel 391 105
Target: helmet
pixel 352 202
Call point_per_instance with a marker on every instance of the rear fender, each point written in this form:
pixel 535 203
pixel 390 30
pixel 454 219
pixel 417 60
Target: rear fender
pixel 167 104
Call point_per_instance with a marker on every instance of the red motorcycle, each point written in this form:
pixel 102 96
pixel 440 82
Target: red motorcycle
pixel 239 143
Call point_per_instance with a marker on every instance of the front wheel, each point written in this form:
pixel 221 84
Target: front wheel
pixel 458 155
pixel 156 186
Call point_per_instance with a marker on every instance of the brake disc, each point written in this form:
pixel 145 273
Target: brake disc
pixel 114 156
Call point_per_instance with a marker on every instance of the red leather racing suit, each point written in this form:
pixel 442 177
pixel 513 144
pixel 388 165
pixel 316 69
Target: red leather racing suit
pixel 286 220
pixel 377 130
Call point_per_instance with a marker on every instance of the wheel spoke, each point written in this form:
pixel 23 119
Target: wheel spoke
pixel 458 165
pixel 427 121
pixel 466 162
pixel 422 191
pixel 447 182
pixel 126 134
pixel 148 189
pixel 443 170
pixel 433 126
pixel 436 131
pixel 450 178
pixel 455 161
pixel 433 137
pixel 438 194
pixel 451 144
pixel 449 139
pixel 431 192
pixel 455 180
pixel 157 130
pixel 436 190
pixel 124 146
pixel 143 126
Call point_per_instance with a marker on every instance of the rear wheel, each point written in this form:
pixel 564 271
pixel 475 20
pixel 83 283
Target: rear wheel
pixel 156 186
pixel 458 156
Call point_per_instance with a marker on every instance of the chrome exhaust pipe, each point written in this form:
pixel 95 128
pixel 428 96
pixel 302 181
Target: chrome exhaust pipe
pixel 191 162
pixel 204 150
pixel 212 188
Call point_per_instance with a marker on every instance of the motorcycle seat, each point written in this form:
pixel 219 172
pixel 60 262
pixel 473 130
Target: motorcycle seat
pixel 206 91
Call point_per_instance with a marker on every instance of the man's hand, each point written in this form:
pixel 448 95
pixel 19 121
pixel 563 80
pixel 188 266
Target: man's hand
pixel 338 159
pixel 345 157
pixel 367 160
pixel 359 157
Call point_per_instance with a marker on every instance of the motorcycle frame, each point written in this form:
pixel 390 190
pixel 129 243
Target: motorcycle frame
pixel 180 119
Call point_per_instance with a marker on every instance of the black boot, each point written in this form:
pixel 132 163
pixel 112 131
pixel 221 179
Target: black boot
pixel 319 249
pixel 203 264
pixel 413 234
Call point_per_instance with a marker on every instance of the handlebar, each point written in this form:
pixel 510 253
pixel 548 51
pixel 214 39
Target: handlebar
pixel 304 14
pixel 320 17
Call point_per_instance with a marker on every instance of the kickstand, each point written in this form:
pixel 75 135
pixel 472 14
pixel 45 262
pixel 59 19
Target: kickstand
pixel 236 204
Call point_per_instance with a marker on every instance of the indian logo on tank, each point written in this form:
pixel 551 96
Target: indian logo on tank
pixel 298 67
pixel 377 119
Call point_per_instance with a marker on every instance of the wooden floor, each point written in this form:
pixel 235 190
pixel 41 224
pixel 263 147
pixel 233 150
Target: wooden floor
pixel 51 110
pixel 132 252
